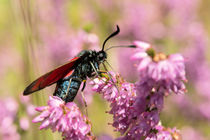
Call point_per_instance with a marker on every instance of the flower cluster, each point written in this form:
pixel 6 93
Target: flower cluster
pixel 120 94
pixel 14 119
pixel 8 111
pixel 159 75
pixel 136 108
pixel 64 118
pixel 164 134
pixel 166 71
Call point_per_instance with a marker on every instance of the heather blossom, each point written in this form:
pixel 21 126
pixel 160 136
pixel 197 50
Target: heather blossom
pixel 190 133
pixel 121 99
pixel 136 107
pixel 165 133
pixel 159 75
pixel 8 111
pixel 169 71
pixel 64 118
pixel 133 115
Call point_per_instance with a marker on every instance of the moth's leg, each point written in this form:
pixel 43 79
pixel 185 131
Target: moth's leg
pixel 101 71
pixel 94 68
pixel 67 91
pixel 84 85
pixel 83 97
pixel 110 76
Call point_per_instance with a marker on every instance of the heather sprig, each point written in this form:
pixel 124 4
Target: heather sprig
pixel 120 95
pixel 8 113
pixel 14 120
pixel 162 133
pixel 64 118
pixel 136 107
pixel 159 76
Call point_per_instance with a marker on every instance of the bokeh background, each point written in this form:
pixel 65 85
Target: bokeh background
pixel 38 35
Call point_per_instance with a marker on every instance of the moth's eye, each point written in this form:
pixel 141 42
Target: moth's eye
pixel 101 55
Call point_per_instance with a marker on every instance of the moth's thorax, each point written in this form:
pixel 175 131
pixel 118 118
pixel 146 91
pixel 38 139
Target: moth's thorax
pixel 92 55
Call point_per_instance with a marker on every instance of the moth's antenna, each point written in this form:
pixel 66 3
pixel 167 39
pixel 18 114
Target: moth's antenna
pixel 128 46
pixel 113 34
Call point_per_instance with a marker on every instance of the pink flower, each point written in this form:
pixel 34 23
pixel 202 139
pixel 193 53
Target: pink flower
pixel 136 107
pixel 120 99
pixel 8 113
pixel 169 71
pixel 64 118
pixel 24 123
pixel 191 134
pixel 164 133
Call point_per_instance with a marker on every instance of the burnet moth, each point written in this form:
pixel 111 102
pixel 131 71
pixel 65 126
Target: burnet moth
pixel 69 76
